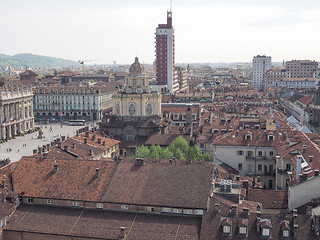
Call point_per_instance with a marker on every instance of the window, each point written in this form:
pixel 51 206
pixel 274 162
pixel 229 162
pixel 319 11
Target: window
pixel 198 212
pixel 118 109
pixel 270 184
pixel 99 205
pixel 187 211
pixel 149 109
pixel 270 168
pixel 124 207
pixel 270 137
pixel 285 233
pixel 240 152
pixel 265 232
pixel 240 166
pixel 259 167
pixel 201 145
pixel 166 210
pixel 132 110
pixel 243 230
pixel 227 229
pixel 75 204
pixel 260 153
pixel 177 210
pixel 30 200
pixel 49 201
pixel 150 209
pixel 271 153
pixel 288 168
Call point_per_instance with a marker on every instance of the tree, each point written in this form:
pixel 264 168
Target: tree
pixel 142 151
pixel 155 152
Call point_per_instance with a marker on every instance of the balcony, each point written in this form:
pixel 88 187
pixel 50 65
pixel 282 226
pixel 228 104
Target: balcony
pixel 282 171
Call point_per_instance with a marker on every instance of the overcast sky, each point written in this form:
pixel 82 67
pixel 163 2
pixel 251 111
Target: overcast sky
pixel 205 30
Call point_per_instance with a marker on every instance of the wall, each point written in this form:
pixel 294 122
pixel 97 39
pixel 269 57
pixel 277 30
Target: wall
pixel 302 193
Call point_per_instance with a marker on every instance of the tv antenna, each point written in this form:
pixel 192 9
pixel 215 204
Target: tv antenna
pixel 171 5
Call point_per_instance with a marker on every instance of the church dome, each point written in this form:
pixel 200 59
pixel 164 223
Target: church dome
pixel 136 68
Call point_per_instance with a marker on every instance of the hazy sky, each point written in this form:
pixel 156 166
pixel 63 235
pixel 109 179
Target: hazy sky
pixel 205 30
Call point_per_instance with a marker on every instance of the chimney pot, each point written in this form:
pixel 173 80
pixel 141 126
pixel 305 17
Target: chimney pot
pixel 85 140
pixel 99 140
pixel 122 233
pixel 97 172
pixel 65 148
pixel 74 146
pixel 87 134
pixel 104 143
pixel 91 152
pixel 316 172
pixel 94 137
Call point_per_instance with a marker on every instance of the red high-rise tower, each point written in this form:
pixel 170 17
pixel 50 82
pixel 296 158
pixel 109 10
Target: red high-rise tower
pixel 165 71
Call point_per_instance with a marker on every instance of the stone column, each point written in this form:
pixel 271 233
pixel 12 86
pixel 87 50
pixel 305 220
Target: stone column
pixel 9 135
pixel 3 132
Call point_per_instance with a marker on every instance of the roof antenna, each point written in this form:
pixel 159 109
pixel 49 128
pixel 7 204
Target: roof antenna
pixel 171 5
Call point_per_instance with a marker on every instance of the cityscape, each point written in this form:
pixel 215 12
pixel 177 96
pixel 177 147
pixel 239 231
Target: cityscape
pixel 164 149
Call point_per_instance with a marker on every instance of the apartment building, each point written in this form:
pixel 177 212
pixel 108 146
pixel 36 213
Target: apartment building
pixel 260 65
pixel 301 68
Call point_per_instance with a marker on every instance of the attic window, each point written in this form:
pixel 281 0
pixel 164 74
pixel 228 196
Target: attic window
pixel 198 212
pixel 270 137
pixel 248 137
pixel 99 205
pixel 166 210
pixel 30 200
pixel 285 233
pixel 124 207
pixel 75 204
pixel 226 229
pixel 243 230
pixel 49 201
pixel 265 232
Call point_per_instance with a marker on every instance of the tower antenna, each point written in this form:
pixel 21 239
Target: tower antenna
pixel 170 5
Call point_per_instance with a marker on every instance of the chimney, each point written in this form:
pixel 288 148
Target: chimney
pixel 245 212
pixel 217 208
pixel 97 172
pixel 35 151
pixel 94 137
pixel 104 143
pixel 91 152
pixel 77 133
pixel 298 167
pixel 316 172
pixel 303 177
pixel 63 138
pixel 56 167
pixel 45 155
pixel 139 161
pixel 122 233
pixel 40 150
pixel 48 147
pixel 258 224
pixel 87 134
pixel 85 140
pixel 99 140
pixel 74 146
pixel 304 148
pixel 233 209
pixel 65 148
pixel 237 178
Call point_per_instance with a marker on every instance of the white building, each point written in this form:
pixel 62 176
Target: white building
pixel 88 103
pixel 260 65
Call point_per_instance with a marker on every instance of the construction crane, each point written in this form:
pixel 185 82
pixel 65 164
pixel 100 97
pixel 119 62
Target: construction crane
pixel 82 63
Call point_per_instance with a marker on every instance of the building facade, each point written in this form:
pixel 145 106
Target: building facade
pixel 70 102
pixel 301 68
pixel 16 112
pixel 165 55
pixel 260 65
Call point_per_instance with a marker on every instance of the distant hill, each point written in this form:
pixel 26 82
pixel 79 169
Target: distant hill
pixel 34 61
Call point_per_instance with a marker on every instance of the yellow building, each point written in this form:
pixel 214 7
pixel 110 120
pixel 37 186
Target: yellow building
pixel 137 99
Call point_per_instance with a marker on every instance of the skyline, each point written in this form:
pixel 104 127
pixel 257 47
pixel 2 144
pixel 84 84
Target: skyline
pixel 206 31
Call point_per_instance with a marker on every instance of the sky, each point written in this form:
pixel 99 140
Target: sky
pixel 119 30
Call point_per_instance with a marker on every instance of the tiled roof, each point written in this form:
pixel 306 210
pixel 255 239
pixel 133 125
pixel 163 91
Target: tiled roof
pixel 161 139
pixel 269 198
pixel 158 182
pixel 76 180
pixel 102 224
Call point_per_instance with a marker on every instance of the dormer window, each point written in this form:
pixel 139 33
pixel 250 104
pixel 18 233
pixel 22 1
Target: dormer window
pixel 248 137
pixel 243 230
pixel 226 229
pixel 285 233
pixel 226 225
pixel 265 232
pixel 270 137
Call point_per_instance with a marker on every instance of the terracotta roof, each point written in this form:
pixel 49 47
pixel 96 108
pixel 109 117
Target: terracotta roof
pixel 269 198
pixel 102 224
pixel 158 182
pixel 76 180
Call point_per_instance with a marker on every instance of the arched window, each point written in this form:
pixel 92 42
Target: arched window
pixel 149 109
pixel 132 110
